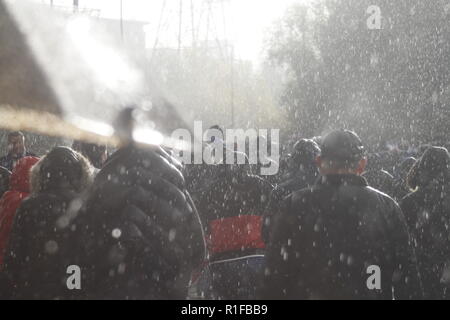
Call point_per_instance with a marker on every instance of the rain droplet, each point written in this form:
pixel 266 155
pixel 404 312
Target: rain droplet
pixel 121 268
pixel 172 234
pixel 116 233
pixel 51 247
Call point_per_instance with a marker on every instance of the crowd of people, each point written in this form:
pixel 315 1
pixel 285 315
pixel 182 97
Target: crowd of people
pixel 140 225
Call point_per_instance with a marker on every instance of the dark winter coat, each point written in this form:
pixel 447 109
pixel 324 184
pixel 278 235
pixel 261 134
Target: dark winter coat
pixel 326 237
pixel 427 212
pixel 42 241
pixel 140 234
pixel 380 180
pixel 231 209
pixel 303 178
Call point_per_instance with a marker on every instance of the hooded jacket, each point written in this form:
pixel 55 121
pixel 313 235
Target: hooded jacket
pixel 140 234
pixel 19 189
pixel 42 246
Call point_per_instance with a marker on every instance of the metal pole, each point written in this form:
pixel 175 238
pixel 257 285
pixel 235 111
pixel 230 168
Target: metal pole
pixel 180 22
pixel 208 3
pixel 232 86
pixel 121 20
pixel 194 40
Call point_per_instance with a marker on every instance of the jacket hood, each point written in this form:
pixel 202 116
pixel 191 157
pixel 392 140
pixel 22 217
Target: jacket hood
pixel 433 165
pixel 61 169
pixel 20 177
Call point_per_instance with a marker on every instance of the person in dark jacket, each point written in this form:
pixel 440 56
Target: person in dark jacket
pixel 329 239
pixel 19 189
pixel 303 169
pixel 427 212
pixel 16 150
pixel 380 180
pixel 231 209
pixel 303 173
pixel 4 180
pixel 140 234
pixel 42 242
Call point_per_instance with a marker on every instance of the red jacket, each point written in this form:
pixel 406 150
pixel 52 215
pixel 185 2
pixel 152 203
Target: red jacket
pixel 19 189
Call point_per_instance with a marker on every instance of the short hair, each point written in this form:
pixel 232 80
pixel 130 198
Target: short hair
pixel 16 134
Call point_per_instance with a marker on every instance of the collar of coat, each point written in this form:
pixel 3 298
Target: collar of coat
pixel 342 179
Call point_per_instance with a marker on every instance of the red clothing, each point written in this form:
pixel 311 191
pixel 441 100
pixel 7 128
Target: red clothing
pixel 235 234
pixel 19 189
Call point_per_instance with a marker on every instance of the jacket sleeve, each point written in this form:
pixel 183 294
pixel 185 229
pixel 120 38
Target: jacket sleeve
pixel 14 260
pixel 161 237
pixel 406 278
pixel 270 212
pixel 283 267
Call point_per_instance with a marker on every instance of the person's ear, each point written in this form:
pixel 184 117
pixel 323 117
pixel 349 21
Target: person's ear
pixel 361 165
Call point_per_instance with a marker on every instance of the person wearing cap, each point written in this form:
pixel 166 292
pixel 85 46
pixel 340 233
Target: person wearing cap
pixel 340 239
pixel 303 174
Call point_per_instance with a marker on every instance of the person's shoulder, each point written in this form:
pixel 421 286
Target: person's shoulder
pixel 302 196
pixel 11 195
pixel 378 192
pixel 381 196
pixel 297 205
pixel 411 199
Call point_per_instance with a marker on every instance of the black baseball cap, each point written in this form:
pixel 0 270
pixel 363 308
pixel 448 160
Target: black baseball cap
pixel 342 145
